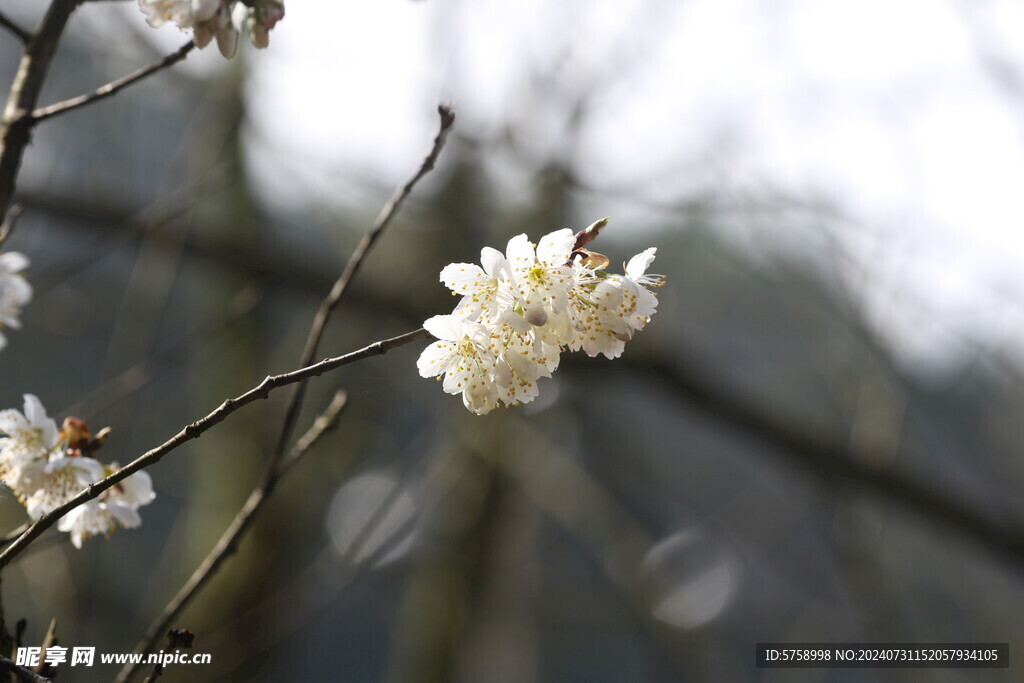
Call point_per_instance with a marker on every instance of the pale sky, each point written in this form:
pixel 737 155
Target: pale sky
pixel 886 108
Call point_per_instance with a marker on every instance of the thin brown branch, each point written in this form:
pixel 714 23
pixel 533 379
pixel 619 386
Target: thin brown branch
pixel 228 542
pixel 49 640
pixel 17 123
pixel 113 87
pixel 22 672
pixel 10 222
pixel 198 428
pixel 279 463
pixel 332 299
pixel 23 35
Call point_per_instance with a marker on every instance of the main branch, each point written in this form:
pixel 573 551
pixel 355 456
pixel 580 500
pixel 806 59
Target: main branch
pixel 198 428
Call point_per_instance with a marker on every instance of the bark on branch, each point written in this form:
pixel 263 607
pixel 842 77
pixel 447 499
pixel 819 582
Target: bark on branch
pixel 198 428
pixel 113 87
pixel 279 463
pixel 17 123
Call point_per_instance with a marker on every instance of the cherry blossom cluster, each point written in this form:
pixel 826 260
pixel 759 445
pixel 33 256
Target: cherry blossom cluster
pixel 15 292
pixel 519 310
pixel 45 467
pixel 220 19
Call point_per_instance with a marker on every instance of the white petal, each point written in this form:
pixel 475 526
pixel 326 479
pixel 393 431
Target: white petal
pixel 36 415
pixel 239 16
pixel 520 252
pixel 516 322
pixel 456 380
pixel 493 262
pixel 482 399
pixel 502 374
pixel 204 9
pixel 554 248
pixel 136 489
pixel 11 421
pixel 435 359
pixel 19 290
pixel 463 277
pixel 608 294
pixel 445 327
pixel 13 262
pixel 125 515
pixel 639 264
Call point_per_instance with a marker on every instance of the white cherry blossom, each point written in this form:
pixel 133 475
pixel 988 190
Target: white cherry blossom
pixel 28 436
pixel 485 290
pixel 462 354
pixel 183 13
pixel 521 358
pixel 520 310
pixel 45 467
pixel 541 277
pixel 57 481
pixel 638 302
pixel 116 507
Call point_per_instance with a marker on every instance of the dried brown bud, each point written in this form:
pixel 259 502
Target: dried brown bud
pixel 590 233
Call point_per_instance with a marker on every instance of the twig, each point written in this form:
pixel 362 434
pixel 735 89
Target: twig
pixel 331 301
pixel 113 87
pixel 22 672
pixel 198 428
pixel 16 125
pixel 176 638
pixel 10 222
pixel 49 640
pixel 23 35
pixel 279 463
pixel 228 542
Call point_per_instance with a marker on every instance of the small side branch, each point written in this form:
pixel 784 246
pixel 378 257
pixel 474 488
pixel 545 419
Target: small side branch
pixel 280 462
pixel 198 428
pixel 21 672
pixel 23 35
pixel 16 125
pixel 10 221
pixel 228 542
pixel 332 299
pixel 113 87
